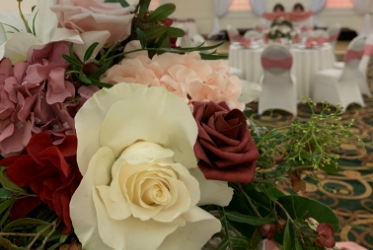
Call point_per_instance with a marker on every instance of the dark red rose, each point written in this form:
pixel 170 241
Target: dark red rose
pixel 50 171
pixel 325 235
pixel 224 146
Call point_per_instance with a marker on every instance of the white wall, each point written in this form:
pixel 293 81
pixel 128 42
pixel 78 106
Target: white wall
pixel 12 5
pixel 203 12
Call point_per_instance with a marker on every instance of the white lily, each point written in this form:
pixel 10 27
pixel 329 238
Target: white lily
pixel 17 44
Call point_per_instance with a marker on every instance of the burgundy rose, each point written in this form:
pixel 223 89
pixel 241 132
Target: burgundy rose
pixel 325 235
pixel 224 146
pixel 50 171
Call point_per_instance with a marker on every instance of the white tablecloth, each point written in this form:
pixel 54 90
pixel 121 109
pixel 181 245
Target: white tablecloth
pixel 306 62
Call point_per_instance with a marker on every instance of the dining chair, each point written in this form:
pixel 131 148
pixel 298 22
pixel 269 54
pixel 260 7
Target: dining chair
pixel 253 35
pixel 233 34
pixel 361 76
pixel 333 33
pixel 341 86
pixel 278 85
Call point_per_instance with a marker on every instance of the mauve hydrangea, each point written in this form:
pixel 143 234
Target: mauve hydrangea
pixel 188 76
pixel 35 97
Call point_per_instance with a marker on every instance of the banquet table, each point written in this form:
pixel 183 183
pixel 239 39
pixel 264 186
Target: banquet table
pixel 306 62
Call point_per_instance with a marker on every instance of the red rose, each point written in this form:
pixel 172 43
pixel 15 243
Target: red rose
pixel 224 146
pixel 325 235
pixel 50 171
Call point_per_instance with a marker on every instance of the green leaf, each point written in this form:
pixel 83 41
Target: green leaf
pixel 9 245
pixel 84 79
pixel 6 204
pixel 141 36
pixel 123 3
pixel 175 32
pixel 298 246
pixel 63 238
pixel 161 13
pixel 4 194
pixel 155 32
pixel 303 208
pixel 144 5
pixel 256 238
pixel 22 223
pixel 331 168
pixel 8 185
pixel 102 70
pixel 212 57
pixel 288 236
pixel 72 60
pixel 5 216
pixel 90 51
pixel 223 245
pixel 55 246
pixel 247 219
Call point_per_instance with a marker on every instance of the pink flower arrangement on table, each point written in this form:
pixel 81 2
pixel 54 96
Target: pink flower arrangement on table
pixel 113 138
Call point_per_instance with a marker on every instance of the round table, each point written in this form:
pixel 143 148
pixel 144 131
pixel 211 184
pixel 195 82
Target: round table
pixel 306 62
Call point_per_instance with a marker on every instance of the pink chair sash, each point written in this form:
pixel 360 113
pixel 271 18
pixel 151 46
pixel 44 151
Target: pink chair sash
pixel 368 51
pixel 284 63
pixel 353 55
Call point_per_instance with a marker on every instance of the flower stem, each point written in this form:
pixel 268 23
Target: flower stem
pixel 23 17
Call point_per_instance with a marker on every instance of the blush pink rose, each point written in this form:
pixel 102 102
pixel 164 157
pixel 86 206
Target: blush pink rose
pixel 95 15
pixel 188 76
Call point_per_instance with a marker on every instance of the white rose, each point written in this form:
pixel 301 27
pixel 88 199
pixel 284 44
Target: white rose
pixel 141 186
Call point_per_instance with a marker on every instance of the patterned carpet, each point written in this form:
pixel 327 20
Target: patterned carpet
pixel 353 197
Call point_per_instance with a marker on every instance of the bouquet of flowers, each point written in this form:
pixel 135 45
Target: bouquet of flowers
pixel 280 28
pixel 112 137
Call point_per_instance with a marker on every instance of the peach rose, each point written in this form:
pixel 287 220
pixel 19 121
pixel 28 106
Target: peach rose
pixel 188 76
pixel 95 15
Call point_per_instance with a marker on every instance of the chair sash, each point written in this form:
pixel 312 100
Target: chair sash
pixel 368 51
pixel 284 63
pixel 353 55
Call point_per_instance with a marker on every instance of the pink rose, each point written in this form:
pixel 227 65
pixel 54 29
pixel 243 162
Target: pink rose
pixel 188 76
pixel 95 15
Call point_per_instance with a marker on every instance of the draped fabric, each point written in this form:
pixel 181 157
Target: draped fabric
pixel 258 6
pixel 221 8
pixel 362 7
pixel 316 6
pixel 289 16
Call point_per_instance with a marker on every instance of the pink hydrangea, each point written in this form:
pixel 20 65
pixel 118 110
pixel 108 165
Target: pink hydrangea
pixel 186 75
pixel 35 97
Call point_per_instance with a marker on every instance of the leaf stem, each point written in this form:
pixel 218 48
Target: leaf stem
pixel 283 209
pixel 250 201
pixel 41 232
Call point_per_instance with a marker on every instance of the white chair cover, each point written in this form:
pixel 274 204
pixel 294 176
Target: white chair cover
pixel 333 32
pixel 342 86
pixel 278 85
pixel 363 65
pixel 233 34
pixel 252 35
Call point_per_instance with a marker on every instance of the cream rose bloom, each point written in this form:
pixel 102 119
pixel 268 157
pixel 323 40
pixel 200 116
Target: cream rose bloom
pixel 141 184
